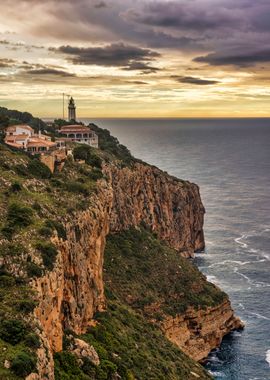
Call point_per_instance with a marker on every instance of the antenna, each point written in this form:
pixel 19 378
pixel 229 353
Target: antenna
pixel 63 106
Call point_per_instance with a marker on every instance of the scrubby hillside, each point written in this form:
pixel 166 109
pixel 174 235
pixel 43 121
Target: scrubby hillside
pixel 56 319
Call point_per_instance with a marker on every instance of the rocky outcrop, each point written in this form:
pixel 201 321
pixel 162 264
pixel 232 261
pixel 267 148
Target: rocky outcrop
pixel 83 350
pixel 170 207
pixel 197 332
pixel 73 291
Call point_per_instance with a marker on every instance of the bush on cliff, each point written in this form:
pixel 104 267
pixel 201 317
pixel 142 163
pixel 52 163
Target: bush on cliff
pixel 111 145
pixel 38 169
pixel 85 152
pixel 23 364
pixel 12 331
pixel 18 216
pixel 48 253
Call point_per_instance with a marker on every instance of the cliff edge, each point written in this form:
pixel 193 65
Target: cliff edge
pixel 54 233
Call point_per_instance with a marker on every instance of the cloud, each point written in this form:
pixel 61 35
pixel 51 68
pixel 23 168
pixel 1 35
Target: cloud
pixel 186 15
pixel 100 4
pixel 194 80
pixel 144 67
pixel 128 57
pixel 5 62
pixel 49 71
pixel 244 58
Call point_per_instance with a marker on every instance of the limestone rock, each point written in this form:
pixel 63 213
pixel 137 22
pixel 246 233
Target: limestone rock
pixel 197 332
pixel 70 294
pixel 84 350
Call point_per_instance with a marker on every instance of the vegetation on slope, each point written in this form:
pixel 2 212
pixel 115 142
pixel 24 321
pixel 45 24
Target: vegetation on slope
pixel 111 146
pixel 9 117
pixel 153 278
pixel 129 347
pixel 33 208
pixel 140 271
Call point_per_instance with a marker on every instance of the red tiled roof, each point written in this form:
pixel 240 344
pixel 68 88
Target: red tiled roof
pixel 75 128
pixel 40 142
pixel 12 128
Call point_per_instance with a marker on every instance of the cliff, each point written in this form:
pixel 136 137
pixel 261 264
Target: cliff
pixel 169 207
pixel 62 256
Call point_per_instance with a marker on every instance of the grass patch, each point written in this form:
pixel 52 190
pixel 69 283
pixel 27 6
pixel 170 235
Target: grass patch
pixel 144 272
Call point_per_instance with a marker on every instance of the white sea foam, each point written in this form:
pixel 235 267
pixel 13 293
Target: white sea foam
pixel 212 279
pixel 257 284
pixel 260 316
pixel 236 334
pixel 267 358
pixel 240 242
pixel 216 373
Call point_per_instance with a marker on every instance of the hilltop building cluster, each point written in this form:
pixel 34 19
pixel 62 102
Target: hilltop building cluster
pixel 23 137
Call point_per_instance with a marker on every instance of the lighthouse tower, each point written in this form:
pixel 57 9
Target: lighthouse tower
pixel 71 110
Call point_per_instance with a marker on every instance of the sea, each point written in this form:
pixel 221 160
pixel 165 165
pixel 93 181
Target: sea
pixel 230 160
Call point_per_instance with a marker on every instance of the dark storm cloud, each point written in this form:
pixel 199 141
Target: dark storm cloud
pixel 185 15
pixel 208 29
pixel 114 55
pixel 236 58
pixel 194 80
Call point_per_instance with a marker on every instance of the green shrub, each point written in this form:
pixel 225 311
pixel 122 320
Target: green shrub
pixel 7 281
pixel 48 253
pixel 12 331
pixel 85 152
pixel 12 249
pixel 23 364
pixel 110 144
pixel 45 231
pixel 26 305
pixel 38 169
pixel 96 174
pixel 54 224
pixel 15 187
pixel 77 187
pixel 33 270
pixel 21 170
pixel 18 216
pixel 32 341
pixel 67 362
pixel 36 206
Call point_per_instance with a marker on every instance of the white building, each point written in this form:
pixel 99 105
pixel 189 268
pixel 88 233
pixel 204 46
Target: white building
pixel 80 134
pixel 22 136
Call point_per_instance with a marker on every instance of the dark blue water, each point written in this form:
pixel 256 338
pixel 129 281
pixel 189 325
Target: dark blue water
pixel 230 160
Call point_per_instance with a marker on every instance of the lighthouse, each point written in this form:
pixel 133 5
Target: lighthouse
pixel 71 110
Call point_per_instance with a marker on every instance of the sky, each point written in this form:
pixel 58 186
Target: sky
pixel 136 58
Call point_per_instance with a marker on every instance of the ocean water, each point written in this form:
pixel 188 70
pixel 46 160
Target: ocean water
pixel 230 160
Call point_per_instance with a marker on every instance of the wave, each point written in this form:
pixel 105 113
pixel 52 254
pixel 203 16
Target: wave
pixel 267 357
pixel 260 316
pixel 246 246
pixel 257 284
pixel 216 373
pixel 239 241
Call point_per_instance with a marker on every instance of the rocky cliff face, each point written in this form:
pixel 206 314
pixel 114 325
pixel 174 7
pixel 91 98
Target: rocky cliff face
pixel 73 291
pixel 170 207
pixel 199 332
